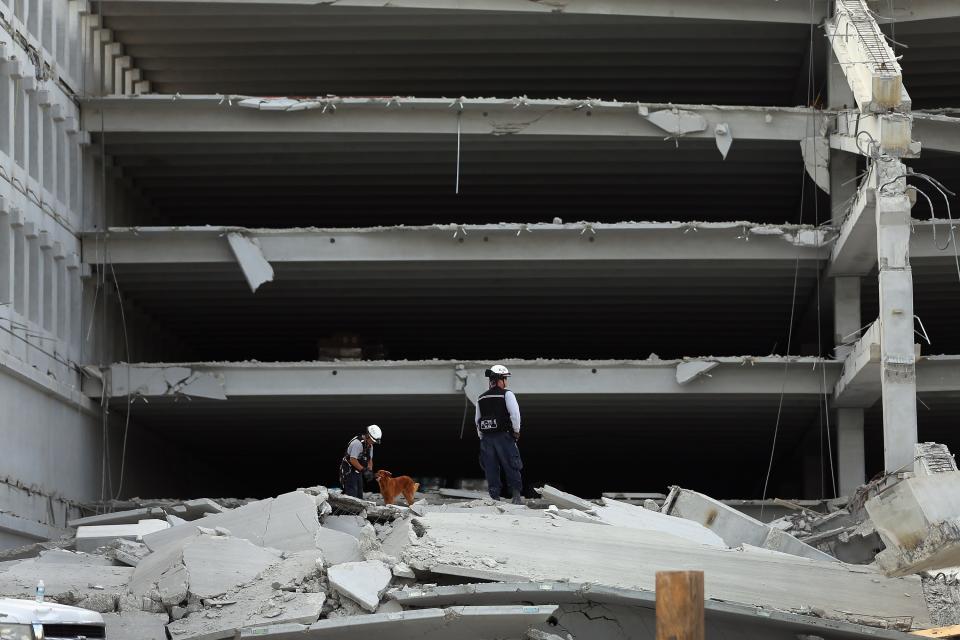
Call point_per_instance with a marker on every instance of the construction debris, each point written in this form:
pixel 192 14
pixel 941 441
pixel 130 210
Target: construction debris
pixel 314 563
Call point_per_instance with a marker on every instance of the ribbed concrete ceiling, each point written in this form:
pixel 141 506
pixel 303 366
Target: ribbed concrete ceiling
pixel 417 311
pixel 587 444
pixel 367 180
pixel 930 53
pixel 318 50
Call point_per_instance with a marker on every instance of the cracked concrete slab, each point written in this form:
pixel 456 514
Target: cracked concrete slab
pixel 288 522
pixel 288 592
pixel 130 516
pixel 75 579
pixel 136 625
pixel 454 623
pixel 590 611
pixel 617 556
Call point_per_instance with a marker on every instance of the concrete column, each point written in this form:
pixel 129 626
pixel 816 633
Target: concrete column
pixel 48 284
pixel 846 314
pixel 6 256
pixel 19 263
pixel 850 455
pixel 898 377
pixel 34 270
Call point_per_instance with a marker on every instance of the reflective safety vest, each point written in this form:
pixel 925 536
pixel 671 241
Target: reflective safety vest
pixel 494 415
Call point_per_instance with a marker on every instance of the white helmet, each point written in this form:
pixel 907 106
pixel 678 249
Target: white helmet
pixel 375 433
pixel 497 372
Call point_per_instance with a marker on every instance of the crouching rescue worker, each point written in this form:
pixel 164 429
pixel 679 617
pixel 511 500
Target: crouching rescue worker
pixel 498 426
pixel 357 464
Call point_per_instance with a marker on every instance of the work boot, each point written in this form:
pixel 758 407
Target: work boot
pixel 517 498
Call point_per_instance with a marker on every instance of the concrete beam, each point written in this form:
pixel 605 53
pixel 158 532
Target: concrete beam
pixel 481 116
pixel 737 376
pixel 937 132
pixel 855 251
pixel 875 134
pixel 910 10
pixel 783 11
pixel 467 243
pixel 859 383
pixel 868 62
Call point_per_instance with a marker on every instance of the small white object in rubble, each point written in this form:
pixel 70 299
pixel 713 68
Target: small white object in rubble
pixel 223 531
pixel 403 570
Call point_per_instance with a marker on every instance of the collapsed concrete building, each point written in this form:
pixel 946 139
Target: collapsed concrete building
pixel 232 232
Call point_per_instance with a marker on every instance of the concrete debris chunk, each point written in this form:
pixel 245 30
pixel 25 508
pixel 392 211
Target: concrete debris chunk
pixel 352 525
pixel 734 527
pixel 288 522
pixel 131 516
pixel 564 500
pixel 932 458
pixel 362 582
pixel 90 538
pixel 127 552
pixel 918 520
pixel 337 547
pixel 136 625
pixel 297 600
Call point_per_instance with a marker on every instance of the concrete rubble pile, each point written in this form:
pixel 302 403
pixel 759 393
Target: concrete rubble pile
pixel 314 563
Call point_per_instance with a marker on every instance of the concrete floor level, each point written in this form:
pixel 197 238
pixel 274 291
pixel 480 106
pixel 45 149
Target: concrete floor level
pixel 680 222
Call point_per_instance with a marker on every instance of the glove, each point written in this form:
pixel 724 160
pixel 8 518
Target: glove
pixel 516 435
pixel 367 475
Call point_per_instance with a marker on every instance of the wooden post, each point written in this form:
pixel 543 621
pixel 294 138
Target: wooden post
pixel 680 605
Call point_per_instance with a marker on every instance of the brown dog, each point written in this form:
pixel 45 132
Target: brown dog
pixel 391 487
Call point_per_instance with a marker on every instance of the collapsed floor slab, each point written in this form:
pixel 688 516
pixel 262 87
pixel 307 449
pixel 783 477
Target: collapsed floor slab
pixel 81 580
pixel 454 623
pixel 586 610
pixel 553 550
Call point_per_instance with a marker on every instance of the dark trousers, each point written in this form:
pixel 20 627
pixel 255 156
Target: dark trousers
pixel 499 451
pixel 352 480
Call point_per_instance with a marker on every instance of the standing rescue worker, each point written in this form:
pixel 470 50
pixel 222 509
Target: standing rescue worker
pixel 498 426
pixel 357 464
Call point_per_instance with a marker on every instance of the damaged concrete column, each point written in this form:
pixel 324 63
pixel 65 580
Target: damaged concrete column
pixel 898 373
pixel 851 467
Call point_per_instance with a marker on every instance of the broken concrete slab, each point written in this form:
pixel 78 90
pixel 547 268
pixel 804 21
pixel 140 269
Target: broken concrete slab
pixel 217 564
pixel 197 508
pixel 136 625
pixel 460 623
pixel 337 547
pixel 91 538
pixel 734 527
pixel 464 494
pixel 349 524
pixel 84 581
pixel 201 566
pixel 362 582
pixel 130 516
pixel 288 592
pixel 564 500
pixel 621 514
pixel 918 520
pixel 255 267
pixel 595 611
pixel 370 510
pixel 288 522
pixel 540 549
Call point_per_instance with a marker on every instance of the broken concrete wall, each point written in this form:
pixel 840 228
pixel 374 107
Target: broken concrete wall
pixel 918 520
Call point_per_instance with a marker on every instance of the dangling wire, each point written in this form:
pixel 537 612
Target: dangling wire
pixel 456 188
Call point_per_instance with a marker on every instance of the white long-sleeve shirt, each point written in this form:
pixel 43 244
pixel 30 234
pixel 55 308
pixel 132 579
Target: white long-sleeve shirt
pixel 513 408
